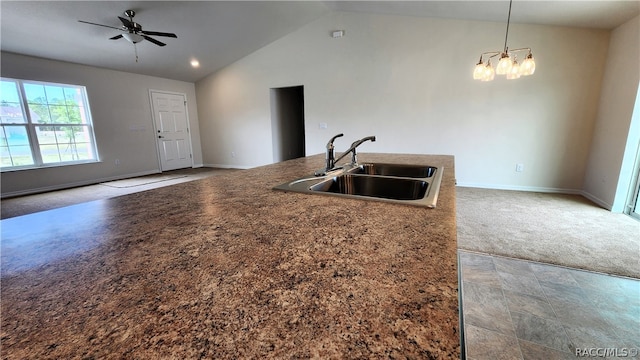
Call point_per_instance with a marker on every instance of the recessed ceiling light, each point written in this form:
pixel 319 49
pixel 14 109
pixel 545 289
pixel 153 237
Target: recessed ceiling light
pixel 195 63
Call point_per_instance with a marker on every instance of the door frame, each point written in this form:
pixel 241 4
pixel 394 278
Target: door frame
pixel 155 126
pixel 632 207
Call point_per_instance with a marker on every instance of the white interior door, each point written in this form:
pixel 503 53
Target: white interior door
pixel 174 143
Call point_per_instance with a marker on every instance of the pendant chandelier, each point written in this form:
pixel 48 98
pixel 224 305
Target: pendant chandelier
pixel 508 64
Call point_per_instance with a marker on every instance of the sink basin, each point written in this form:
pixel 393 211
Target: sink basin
pixel 397 183
pixel 400 170
pixel 374 186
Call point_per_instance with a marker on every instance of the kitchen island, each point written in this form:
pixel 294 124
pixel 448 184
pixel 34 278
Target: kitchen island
pixel 228 268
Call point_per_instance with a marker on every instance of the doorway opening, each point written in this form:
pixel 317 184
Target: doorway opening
pixel 287 122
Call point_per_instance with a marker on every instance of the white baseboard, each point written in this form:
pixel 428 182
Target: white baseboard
pixel 75 184
pixel 224 166
pixel 523 188
pixel 597 200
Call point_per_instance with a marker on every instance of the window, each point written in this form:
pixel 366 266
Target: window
pixel 44 124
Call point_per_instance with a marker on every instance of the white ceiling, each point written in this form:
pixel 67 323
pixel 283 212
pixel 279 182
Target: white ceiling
pixel 218 33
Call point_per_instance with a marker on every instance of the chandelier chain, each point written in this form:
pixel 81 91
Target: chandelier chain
pixel 506 35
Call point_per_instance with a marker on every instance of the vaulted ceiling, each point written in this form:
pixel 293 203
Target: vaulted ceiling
pixel 218 33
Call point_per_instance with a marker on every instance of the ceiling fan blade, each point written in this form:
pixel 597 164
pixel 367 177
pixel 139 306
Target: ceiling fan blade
pixel 154 40
pixel 126 22
pixel 107 26
pixel 116 37
pixel 155 33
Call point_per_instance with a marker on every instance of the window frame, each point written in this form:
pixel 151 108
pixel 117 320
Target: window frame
pixel 32 128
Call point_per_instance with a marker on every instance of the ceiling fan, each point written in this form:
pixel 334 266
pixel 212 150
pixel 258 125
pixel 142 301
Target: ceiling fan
pixel 133 31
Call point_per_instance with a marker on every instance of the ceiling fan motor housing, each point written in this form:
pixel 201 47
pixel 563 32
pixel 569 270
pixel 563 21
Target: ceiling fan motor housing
pixel 135 27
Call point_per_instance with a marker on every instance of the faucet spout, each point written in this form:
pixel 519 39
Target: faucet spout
pixel 352 149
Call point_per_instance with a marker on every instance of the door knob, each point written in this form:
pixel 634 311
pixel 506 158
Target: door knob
pixel 160 137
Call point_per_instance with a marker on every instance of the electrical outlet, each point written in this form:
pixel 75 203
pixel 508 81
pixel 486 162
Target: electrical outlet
pixel 519 167
pixel 117 162
pixel 233 154
pixel 322 125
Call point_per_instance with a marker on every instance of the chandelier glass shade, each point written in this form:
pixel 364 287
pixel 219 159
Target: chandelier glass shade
pixel 484 72
pixel 508 63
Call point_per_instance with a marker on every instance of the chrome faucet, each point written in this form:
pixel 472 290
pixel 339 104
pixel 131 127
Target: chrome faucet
pixel 354 145
pixel 332 160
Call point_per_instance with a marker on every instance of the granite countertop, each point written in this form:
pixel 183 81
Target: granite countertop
pixel 227 268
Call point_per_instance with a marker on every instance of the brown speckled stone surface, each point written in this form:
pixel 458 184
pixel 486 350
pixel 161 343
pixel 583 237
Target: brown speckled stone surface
pixel 227 268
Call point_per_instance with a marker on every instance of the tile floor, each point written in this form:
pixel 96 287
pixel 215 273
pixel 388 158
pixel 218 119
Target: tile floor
pixel 516 309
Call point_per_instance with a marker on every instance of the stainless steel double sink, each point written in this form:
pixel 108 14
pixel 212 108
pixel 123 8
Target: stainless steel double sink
pixel 416 185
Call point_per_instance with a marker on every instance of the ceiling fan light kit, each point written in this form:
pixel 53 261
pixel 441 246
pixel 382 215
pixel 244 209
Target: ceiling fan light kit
pixel 133 38
pixel 508 63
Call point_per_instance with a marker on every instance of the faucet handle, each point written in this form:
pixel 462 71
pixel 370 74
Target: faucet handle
pixel 330 143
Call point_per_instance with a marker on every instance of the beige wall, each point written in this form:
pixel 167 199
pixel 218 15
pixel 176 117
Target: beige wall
pixel 614 145
pixel 122 121
pixel 408 81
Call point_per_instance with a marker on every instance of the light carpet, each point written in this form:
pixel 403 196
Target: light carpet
pixel 560 229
